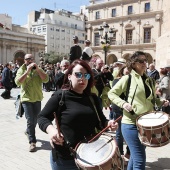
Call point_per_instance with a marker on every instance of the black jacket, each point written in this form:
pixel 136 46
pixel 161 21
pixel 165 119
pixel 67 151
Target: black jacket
pixel 75 53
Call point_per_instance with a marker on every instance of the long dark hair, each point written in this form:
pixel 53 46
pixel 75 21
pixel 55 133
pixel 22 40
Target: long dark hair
pixel 66 83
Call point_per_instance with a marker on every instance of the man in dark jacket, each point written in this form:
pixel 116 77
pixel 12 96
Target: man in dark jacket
pixel 153 73
pixel 7 81
pixel 75 50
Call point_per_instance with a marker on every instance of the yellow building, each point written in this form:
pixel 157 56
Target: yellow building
pixel 135 25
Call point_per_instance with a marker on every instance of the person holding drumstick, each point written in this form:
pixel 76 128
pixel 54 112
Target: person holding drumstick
pixel 141 99
pixel 77 118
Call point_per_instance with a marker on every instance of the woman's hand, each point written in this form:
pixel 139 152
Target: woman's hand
pixel 56 138
pixel 127 107
pixel 166 103
pixel 113 125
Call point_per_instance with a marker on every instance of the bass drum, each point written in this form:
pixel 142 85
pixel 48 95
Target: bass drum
pixel 100 154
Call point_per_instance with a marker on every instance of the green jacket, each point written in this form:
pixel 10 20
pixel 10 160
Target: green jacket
pixel 31 88
pixel 140 104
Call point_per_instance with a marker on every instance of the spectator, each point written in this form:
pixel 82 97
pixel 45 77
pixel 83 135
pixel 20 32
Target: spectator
pixel 30 77
pixel 7 81
pixel 75 50
pixel 59 77
pixel 87 52
pixel 153 73
pixel 163 88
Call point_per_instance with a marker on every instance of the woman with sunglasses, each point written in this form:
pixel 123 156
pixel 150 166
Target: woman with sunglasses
pixel 141 99
pixel 77 117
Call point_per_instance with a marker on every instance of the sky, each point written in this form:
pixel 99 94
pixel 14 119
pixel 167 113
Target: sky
pixel 19 9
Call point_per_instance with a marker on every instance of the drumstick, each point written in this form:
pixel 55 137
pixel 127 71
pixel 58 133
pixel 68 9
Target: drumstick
pixel 103 130
pixel 105 144
pixel 56 121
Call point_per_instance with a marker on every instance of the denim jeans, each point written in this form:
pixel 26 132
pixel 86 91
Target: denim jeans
pixel 31 110
pixel 137 150
pixel 119 137
pixel 61 164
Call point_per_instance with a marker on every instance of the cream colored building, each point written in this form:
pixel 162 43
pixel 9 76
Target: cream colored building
pixel 58 28
pixel 15 42
pixel 136 25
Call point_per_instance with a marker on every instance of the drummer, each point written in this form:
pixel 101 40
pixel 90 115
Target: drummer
pixel 77 116
pixel 141 99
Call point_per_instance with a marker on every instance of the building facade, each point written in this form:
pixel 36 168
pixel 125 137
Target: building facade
pixel 15 42
pixel 135 25
pixel 58 28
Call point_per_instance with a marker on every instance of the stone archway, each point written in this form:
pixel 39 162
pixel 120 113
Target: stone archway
pixel 126 56
pixel 111 58
pixel 19 57
pixel 149 58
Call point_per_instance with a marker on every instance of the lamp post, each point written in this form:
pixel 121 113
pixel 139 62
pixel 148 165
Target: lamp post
pixel 106 37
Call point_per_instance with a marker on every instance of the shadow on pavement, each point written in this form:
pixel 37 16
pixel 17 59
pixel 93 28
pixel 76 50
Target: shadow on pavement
pixel 161 164
pixel 45 145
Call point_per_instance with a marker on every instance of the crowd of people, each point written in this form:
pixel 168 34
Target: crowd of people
pixel 82 91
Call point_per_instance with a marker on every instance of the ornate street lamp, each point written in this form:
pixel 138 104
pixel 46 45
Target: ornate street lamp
pixel 106 43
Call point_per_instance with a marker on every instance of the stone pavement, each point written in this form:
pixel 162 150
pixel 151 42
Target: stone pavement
pixel 14 146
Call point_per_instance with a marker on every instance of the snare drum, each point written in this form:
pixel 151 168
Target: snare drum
pixel 101 154
pixel 153 128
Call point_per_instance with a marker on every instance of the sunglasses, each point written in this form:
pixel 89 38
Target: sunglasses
pixel 28 58
pixel 79 75
pixel 142 61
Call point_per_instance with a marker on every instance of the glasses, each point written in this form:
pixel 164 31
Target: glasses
pixel 142 61
pixel 28 59
pixel 79 75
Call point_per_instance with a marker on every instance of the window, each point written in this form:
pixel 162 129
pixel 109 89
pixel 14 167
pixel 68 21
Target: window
pixel 130 9
pixel 39 29
pixel 147 7
pixel 96 39
pixel 114 12
pixel 98 15
pixel 147 35
pixel 75 26
pixel 128 36
pixel 57 29
pixel 113 39
pixel 44 28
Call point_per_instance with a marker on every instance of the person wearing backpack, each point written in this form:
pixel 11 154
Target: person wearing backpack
pixel 116 111
pixel 141 99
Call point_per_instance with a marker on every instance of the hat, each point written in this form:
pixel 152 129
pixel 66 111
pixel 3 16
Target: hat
pixel 106 67
pixel 121 61
pixel 75 37
pixel 87 41
pixel 167 66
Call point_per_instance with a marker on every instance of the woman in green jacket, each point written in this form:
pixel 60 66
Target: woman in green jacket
pixel 141 99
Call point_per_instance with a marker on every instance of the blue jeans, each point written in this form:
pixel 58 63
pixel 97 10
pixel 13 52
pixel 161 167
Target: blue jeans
pixel 61 164
pixel 31 112
pixel 137 150
pixel 119 137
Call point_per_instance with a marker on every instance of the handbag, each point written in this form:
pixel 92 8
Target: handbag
pixel 18 107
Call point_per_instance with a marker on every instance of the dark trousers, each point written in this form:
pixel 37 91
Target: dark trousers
pixel 7 93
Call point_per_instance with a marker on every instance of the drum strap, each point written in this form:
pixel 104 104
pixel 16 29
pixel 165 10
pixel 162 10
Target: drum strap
pixel 92 101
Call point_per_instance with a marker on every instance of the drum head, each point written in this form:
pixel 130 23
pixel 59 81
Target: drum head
pixel 92 154
pixel 152 119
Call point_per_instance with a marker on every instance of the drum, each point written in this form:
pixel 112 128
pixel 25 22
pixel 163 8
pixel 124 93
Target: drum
pixel 153 128
pixel 100 154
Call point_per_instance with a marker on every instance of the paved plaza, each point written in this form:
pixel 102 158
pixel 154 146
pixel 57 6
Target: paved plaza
pixel 14 145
